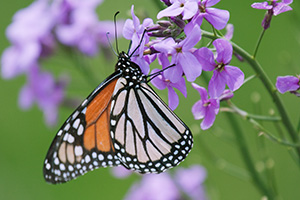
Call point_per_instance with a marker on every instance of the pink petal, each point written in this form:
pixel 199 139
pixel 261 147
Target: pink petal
pixel 174 10
pixel 217 17
pixel 190 65
pixel 234 77
pixel 198 110
pixel 173 98
pixel 205 58
pixel 216 85
pixel 224 51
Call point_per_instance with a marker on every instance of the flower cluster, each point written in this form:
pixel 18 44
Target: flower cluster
pixel 273 8
pixel 35 34
pixel 173 42
pixel 187 181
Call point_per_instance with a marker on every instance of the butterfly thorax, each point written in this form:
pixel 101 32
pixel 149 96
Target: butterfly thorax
pixel 130 71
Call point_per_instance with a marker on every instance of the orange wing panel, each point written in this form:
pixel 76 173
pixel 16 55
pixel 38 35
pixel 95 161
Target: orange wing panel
pixel 97 120
pixel 102 132
pixel 99 103
pixel 89 139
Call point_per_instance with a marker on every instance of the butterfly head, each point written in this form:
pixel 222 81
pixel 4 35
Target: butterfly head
pixel 129 69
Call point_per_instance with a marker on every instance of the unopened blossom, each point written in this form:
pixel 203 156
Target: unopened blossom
pixel 206 108
pixel 287 84
pixel 224 74
pixel 42 89
pixel 135 32
pixel 273 7
pixel 186 8
pixel 161 82
pixel 185 61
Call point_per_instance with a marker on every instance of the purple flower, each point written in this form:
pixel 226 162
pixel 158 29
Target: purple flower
pixel 223 74
pixel 154 187
pixel 84 30
pixel 287 84
pixel 273 8
pixel 45 91
pixel 185 7
pixel 205 109
pixel 30 35
pixel 133 31
pixel 191 181
pixel 120 172
pixel 216 17
pixel 161 82
pixel 182 57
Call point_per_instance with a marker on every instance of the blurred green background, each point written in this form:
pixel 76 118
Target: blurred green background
pixel 25 139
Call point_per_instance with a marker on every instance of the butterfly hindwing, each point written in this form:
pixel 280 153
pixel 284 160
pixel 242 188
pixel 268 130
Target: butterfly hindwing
pixel 83 142
pixel 148 136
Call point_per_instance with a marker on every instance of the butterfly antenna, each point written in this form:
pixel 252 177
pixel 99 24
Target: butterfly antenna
pixel 107 33
pixel 152 76
pixel 116 32
pixel 138 46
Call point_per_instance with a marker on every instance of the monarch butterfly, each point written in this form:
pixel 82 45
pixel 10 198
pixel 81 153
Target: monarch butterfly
pixel 122 122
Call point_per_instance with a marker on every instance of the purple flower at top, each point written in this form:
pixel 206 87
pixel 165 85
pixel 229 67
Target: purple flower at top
pixel 287 84
pixel 205 108
pixel 30 35
pixel 161 82
pixel 274 8
pixel 216 17
pixel 182 57
pixel 223 74
pixel 83 28
pixel 45 91
pixel 133 31
pixel 154 187
pixel 185 7
pixel 191 181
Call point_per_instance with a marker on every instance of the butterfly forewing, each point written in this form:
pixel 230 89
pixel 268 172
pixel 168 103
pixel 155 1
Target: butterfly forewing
pixel 83 143
pixel 148 136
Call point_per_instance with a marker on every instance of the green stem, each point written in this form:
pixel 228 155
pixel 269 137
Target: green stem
pixel 269 86
pixel 258 42
pixel 245 154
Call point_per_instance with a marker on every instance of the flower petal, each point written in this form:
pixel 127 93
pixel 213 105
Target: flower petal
pixel 198 110
pixel 158 81
pixel 216 85
pixel 234 77
pixel 287 83
pixel 202 91
pixel 128 29
pixel 217 17
pixel 264 5
pixel 192 39
pixel 210 115
pixel 210 3
pixel 180 85
pixel 173 99
pixel 190 65
pixel 205 58
pixel 224 51
pixel 174 10
pixel 190 9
